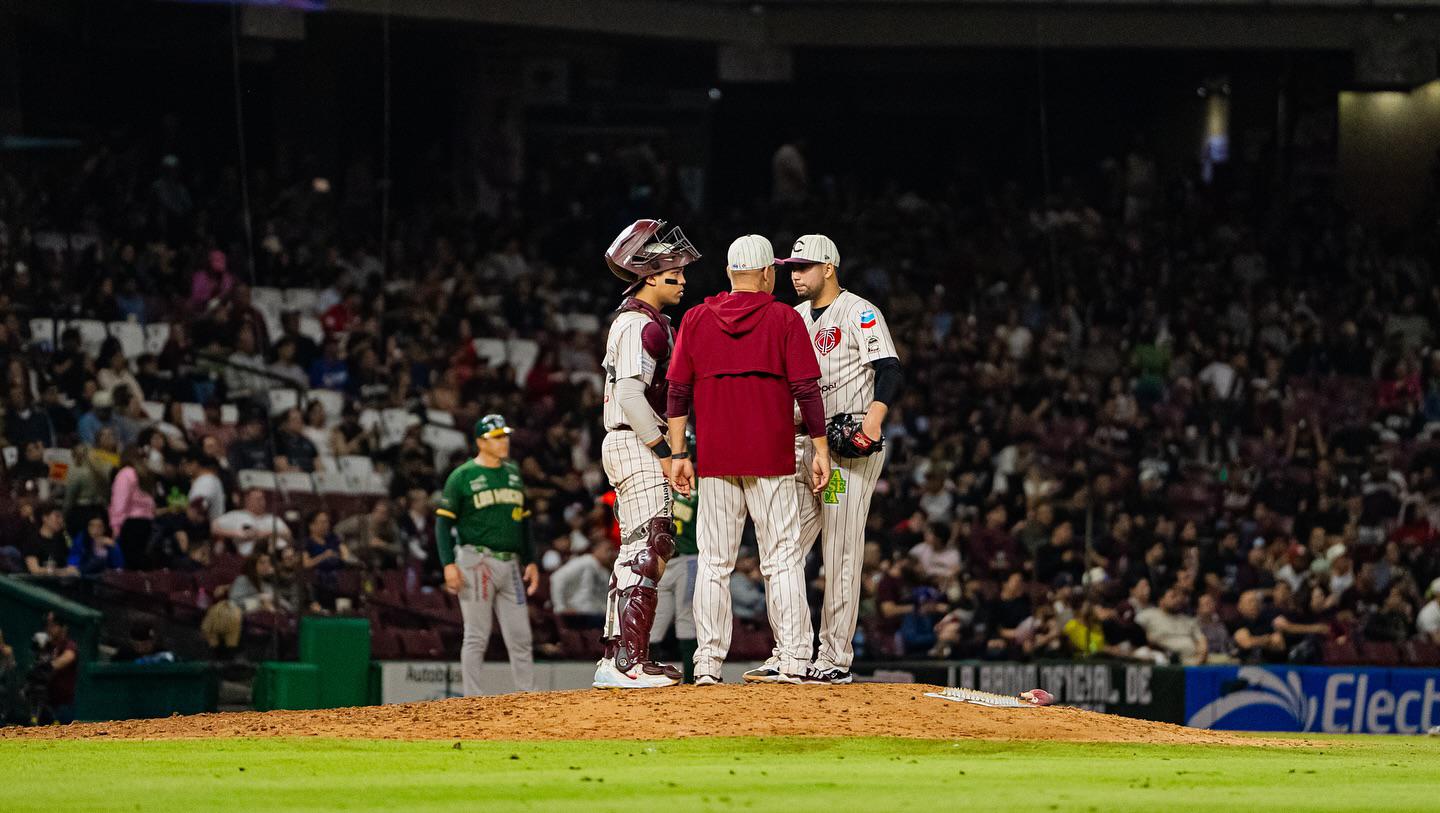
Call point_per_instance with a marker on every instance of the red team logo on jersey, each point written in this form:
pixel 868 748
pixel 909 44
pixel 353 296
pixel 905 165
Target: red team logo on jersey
pixel 827 340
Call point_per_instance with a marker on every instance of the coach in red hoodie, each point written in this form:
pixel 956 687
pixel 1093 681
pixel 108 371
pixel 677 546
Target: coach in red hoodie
pixel 743 361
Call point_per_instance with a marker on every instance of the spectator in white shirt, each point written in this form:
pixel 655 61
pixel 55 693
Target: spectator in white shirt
pixel 580 587
pixel 244 527
pixel 938 559
pixel 1428 622
pixel 204 482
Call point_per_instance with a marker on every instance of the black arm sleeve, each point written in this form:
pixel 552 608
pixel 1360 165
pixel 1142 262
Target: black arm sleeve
pixel 889 378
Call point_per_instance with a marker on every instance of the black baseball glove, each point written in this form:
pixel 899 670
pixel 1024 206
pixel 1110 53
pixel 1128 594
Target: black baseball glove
pixel 847 439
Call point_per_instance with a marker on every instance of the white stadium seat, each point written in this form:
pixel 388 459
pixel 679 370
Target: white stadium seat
pixel 295 482
pixel 332 400
pixel 283 399
pixel 523 354
pixel 492 351
pixel 46 332
pixel 131 336
pixel 93 334
pixel 256 478
pixel 156 335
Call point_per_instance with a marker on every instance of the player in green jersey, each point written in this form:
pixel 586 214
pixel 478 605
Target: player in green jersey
pixel 677 585
pixel 480 534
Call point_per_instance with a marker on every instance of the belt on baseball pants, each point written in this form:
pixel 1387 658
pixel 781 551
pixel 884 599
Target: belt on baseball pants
pixel 502 555
pixel 625 427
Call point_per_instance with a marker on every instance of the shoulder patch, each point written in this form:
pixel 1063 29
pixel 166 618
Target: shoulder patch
pixel 867 318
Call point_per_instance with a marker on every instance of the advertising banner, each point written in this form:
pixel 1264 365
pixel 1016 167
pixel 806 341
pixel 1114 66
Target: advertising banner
pixel 1350 700
pixel 1128 689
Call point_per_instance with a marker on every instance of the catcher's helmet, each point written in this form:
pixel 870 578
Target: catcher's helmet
pixel 638 253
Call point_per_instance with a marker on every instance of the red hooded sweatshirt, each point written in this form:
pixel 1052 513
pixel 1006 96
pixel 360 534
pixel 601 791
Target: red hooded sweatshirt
pixel 745 361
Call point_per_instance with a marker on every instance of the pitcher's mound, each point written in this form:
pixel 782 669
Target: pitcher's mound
pixel 873 709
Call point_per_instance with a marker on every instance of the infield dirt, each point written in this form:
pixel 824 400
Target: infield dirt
pixel 893 710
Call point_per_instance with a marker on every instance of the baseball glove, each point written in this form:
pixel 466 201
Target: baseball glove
pixel 847 439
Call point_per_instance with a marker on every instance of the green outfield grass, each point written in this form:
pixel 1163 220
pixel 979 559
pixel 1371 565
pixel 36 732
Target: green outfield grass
pixel 1354 773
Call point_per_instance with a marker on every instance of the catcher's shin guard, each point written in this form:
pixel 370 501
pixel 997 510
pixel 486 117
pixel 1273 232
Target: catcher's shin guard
pixel 637 616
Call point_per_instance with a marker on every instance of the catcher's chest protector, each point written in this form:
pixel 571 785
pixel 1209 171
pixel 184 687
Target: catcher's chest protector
pixel 658 340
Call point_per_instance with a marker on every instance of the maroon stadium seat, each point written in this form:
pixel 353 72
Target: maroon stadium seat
pixel 1380 653
pixel 423 644
pixel 1421 653
pixel 1335 653
pixel 385 644
pixel 751 641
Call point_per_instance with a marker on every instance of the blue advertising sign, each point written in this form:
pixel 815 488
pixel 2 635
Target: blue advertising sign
pixel 1312 698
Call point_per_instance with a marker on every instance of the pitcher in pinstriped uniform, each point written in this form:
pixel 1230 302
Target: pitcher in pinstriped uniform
pixel 860 377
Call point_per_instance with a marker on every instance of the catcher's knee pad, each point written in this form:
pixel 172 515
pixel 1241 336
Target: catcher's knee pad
pixel 662 537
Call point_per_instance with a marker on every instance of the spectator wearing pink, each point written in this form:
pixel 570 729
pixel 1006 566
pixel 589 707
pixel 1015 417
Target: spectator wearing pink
pixel 132 507
pixel 211 283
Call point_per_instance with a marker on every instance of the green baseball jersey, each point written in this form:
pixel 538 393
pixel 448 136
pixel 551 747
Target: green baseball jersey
pixel 487 507
pixel 684 512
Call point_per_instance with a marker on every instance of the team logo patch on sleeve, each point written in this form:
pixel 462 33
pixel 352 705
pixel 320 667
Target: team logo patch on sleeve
pixel 867 319
pixel 827 340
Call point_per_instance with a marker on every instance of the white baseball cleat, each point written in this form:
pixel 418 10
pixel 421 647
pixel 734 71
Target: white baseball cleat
pixel 609 676
pixel 764 674
pixel 707 680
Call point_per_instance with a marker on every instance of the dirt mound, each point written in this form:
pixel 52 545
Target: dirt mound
pixel 874 709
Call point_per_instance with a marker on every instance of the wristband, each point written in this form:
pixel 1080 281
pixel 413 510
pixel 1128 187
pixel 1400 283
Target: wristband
pixel 680 456
pixel 661 449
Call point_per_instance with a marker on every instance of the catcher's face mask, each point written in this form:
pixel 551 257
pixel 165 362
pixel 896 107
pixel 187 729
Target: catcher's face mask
pixel 638 252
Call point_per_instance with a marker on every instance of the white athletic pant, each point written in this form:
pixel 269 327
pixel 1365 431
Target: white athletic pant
pixel 641 494
pixel 677 597
pixel 837 515
pixel 493 589
pixel 770 501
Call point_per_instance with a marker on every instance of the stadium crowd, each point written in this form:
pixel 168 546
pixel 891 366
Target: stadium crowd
pixel 1145 418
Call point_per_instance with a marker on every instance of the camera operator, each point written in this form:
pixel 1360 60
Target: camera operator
pixel 50 685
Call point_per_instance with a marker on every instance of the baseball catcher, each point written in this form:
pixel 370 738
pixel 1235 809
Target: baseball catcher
pixel 635 454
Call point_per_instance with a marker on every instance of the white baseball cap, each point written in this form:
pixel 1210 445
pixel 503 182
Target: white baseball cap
pixel 811 249
pixel 750 253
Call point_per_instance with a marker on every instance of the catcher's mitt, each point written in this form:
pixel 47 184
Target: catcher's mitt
pixel 847 439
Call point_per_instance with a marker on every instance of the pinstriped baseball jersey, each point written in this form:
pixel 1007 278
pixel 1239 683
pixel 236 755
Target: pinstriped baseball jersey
pixel 625 357
pixel 849 335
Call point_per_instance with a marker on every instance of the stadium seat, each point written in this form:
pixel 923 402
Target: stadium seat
pixel 256 478
pixel 154 410
pixel 312 328
pixel 444 441
pixel 522 354
pixel 193 415
pixel 595 380
pixel 46 332
pixel 385 644
pixel 229 414
pixel 491 351
pixel 356 465
pixel 157 334
pixel 348 583
pixel 333 401
pixel 424 644
pixel 282 399
pixel 587 323
pixel 131 337
pixel 439 417
pixel 93 334
pixel 750 641
pixel 1421 653
pixel 394 423
pixel 1334 653
pixel 1380 653
pixel 302 300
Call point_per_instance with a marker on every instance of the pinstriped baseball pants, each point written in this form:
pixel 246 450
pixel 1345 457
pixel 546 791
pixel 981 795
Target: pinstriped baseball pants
pixel 772 503
pixel 837 516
